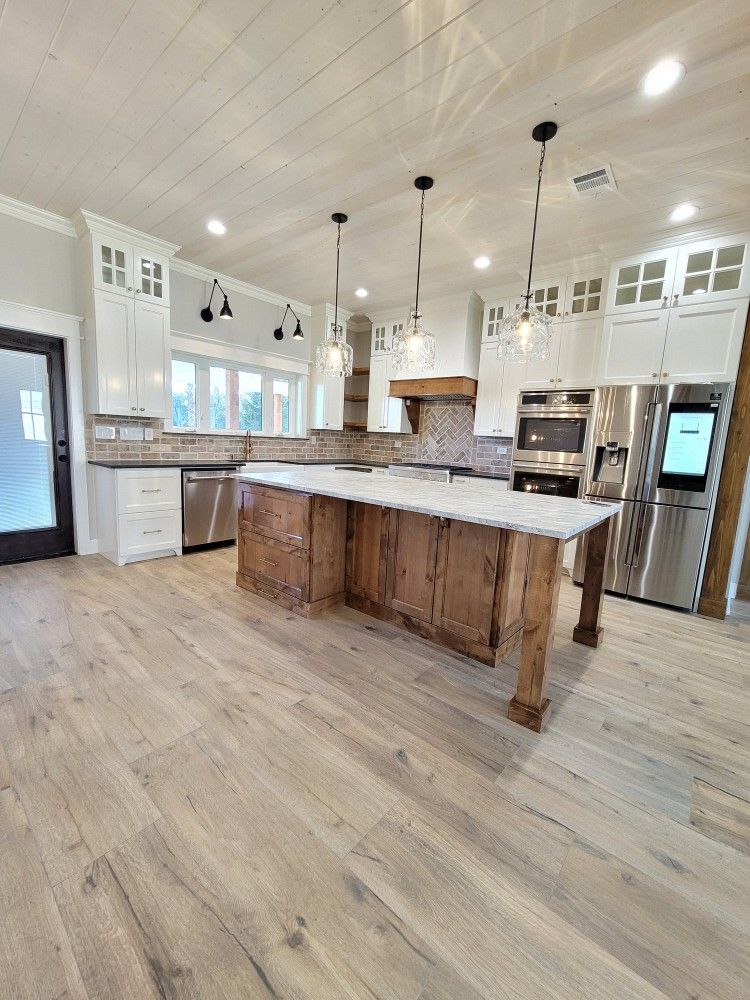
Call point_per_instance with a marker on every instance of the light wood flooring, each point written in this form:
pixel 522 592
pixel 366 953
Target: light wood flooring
pixel 202 795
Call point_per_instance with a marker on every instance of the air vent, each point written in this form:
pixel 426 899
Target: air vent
pixel 589 185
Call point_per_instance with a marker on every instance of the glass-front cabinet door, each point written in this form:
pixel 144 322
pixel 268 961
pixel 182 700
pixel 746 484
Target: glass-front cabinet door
pixel 642 282
pixel 494 314
pixel 380 343
pixel 113 265
pixel 151 277
pixel 584 297
pixel 712 271
pixel 550 299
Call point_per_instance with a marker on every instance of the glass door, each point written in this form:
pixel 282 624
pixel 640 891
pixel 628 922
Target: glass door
pixel 36 509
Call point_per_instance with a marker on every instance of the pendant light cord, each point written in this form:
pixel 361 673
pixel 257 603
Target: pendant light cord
pixel 336 305
pixel 419 255
pixel 536 214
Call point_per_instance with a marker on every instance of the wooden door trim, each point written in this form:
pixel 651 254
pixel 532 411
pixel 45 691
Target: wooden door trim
pixel 713 599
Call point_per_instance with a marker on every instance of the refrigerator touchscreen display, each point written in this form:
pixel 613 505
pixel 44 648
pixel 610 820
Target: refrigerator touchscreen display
pixel 687 448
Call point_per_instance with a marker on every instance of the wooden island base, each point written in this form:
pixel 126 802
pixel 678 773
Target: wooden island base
pixel 473 588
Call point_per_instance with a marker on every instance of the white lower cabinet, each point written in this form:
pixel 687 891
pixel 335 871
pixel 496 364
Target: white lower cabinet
pixel 138 513
pixel 692 343
pixel 326 402
pixel 498 386
pixel 386 414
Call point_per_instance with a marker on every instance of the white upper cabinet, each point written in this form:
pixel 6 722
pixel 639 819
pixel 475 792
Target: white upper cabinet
pixel 124 268
pixel 127 319
pixel 497 394
pixel 642 282
pixel 712 272
pixel 584 298
pixel 580 342
pixel 632 347
pixel 704 342
pixel 326 402
pixel 494 314
pixel 550 299
pixel 385 414
pixel 380 340
pixel 112 264
pixel 151 276
pixel 543 374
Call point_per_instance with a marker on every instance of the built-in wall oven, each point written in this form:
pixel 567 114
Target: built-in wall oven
pixel 552 442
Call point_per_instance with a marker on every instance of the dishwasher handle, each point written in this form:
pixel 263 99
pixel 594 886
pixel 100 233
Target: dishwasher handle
pixel 208 479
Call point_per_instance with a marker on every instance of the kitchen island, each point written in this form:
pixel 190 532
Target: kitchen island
pixel 461 564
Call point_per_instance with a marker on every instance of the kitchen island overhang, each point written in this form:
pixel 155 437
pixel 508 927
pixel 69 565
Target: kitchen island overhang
pixel 460 564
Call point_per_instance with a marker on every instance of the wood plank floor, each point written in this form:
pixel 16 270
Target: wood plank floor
pixel 202 795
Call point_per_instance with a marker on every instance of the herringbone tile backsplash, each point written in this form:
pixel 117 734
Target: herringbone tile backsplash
pixel 445 435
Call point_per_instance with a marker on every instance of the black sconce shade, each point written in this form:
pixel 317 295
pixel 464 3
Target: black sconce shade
pixel 279 331
pixel 225 313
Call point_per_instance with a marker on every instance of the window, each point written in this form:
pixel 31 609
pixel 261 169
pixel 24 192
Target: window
pixel 210 395
pixel 32 415
pixel 184 381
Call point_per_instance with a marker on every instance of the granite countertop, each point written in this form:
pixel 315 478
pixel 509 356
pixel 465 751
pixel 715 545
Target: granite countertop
pixel 480 503
pixel 136 464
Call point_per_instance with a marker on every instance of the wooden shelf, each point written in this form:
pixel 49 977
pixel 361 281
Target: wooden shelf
pixel 354 397
pixel 355 425
pixel 362 370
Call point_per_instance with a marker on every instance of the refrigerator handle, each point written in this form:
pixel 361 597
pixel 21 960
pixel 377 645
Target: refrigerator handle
pixel 653 424
pixel 635 556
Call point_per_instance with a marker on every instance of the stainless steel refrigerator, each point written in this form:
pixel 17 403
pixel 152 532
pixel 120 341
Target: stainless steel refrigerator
pixel 657 449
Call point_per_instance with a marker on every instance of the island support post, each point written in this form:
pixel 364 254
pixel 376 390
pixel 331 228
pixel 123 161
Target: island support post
pixel 530 704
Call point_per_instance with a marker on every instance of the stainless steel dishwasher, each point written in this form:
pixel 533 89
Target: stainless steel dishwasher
pixel 209 506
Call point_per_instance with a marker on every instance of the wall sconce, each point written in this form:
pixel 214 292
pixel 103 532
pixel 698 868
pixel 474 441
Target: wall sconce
pixel 279 331
pixel 225 313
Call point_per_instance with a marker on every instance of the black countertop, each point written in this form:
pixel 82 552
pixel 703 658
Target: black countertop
pixel 136 464
pixel 165 464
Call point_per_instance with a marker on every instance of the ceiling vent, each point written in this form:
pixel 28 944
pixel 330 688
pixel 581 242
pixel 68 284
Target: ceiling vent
pixel 590 184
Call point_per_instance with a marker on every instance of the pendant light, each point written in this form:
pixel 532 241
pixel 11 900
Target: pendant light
pixel 413 349
pixel 525 334
pixel 334 356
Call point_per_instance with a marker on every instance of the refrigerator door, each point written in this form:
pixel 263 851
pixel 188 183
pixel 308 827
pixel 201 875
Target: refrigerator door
pixel 688 439
pixel 621 538
pixel 621 433
pixel 667 546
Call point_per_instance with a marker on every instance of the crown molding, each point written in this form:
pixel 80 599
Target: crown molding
pixel 87 222
pixel 237 285
pixel 37 216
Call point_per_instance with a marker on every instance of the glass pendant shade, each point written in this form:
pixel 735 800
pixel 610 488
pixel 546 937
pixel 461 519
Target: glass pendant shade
pixel 413 348
pixel 525 335
pixel 334 357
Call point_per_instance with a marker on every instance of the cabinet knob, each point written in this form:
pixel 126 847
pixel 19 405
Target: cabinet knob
pixel 142 409
pixel 664 302
pixel 133 407
pixel 552 380
pixel 654 374
pixel 665 374
pixel 559 380
pixel 675 299
pixel 130 288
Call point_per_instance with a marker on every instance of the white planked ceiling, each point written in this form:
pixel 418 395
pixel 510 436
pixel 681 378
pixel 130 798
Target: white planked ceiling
pixel 271 114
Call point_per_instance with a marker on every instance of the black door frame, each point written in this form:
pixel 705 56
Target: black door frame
pixel 43 543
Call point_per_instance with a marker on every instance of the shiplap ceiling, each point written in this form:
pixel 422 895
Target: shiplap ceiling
pixel 271 114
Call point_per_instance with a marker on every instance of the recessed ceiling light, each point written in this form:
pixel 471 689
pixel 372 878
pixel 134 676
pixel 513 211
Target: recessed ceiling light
pixel 361 293
pixel 482 262
pixel 683 212
pixel 216 227
pixel 662 77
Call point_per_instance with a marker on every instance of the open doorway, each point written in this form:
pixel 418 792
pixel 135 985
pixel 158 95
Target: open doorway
pixel 738 590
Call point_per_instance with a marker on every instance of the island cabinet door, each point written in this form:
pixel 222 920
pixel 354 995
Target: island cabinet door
pixel 467 561
pixel 280 514
pixel 412 555
pixel 280 565
pixel 366 546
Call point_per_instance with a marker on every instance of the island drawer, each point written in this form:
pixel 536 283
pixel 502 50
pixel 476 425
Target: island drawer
pixel 278 514
pixel 277 564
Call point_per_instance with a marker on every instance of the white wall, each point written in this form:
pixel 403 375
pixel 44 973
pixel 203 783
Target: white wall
pixel 251 327
pixel 37 266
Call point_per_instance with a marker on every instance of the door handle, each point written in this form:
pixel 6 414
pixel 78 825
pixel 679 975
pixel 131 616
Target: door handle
pixel 636 554
pixel 62 458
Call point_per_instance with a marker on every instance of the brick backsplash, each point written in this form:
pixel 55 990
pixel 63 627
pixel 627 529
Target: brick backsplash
pixel 445 435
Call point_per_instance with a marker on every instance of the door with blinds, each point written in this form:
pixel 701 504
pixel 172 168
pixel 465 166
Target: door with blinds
pixel 36 508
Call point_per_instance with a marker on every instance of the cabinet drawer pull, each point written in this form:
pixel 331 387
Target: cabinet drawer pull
pixel 153 531
pixel 269 562
pixel 157 490
pixel 271 513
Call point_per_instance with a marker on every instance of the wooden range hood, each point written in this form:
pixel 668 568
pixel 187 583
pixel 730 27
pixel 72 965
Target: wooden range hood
pixel 412 390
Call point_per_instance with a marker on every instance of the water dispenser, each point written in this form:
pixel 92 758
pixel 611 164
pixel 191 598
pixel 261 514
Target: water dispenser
pixel 610 461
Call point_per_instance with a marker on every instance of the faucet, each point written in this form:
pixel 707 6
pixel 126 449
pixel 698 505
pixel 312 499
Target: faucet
pixel 248 446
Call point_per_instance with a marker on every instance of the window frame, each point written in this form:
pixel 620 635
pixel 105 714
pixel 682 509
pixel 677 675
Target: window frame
pixel 203 364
